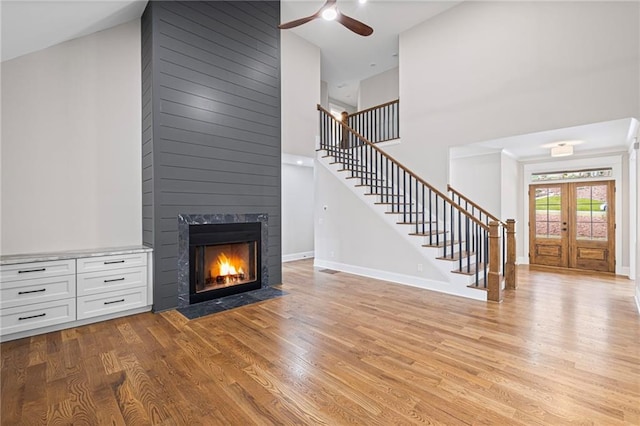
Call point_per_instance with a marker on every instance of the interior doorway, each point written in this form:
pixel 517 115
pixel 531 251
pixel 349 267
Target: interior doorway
pixel 572 225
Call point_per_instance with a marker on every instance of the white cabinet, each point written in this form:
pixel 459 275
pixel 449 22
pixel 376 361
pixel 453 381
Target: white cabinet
pixel 51 291
pixel 115 301
pixel 37 294
pixel 108 284
pixel 37 315
pixel 26 271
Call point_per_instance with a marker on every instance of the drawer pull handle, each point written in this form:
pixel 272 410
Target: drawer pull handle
pixel 24 271
pixel 114 301
pixel 32 316
pixel 113 261
pixel 32 291
pixel 115 279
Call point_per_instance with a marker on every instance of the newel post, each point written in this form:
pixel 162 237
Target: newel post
pixel 344 141
pixel 510 264
pixel 494 285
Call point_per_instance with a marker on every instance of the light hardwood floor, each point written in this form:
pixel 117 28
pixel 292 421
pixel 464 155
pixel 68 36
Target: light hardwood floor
pixel 340 349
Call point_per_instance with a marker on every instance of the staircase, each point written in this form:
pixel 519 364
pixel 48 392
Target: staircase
pixel 458 237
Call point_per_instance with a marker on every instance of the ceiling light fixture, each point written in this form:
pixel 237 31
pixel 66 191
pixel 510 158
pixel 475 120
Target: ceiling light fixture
pixel 362 1
pixel 562 150
pixel 329 14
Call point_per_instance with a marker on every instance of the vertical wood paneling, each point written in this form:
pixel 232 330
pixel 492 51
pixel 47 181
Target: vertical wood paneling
pixel 211 113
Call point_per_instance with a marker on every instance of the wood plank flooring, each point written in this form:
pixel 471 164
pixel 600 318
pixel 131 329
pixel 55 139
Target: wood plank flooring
pixel 339 349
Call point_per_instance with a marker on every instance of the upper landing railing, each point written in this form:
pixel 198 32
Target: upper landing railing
pixel 377 124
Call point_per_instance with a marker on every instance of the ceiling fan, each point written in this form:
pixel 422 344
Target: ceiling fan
pixel 329 11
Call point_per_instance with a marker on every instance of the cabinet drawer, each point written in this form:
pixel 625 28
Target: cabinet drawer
pixel 13 320
pixel 104 281
pixel 106 303
pixel 106 263
pixel 20 293
pixel 27 271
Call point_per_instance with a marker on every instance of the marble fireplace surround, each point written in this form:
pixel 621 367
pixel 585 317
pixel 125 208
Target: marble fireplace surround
pixel 184 220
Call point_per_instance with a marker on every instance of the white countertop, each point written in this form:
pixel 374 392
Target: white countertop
pixel 13 259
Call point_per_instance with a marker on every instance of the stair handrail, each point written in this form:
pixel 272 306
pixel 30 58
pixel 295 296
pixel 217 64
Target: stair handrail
pixel 402 166
pixel 481 210
pixel 380 123
pixel 364 111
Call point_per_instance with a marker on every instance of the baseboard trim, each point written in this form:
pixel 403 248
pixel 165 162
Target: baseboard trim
pixel 296 256
pixel 638 297
pixel 397 278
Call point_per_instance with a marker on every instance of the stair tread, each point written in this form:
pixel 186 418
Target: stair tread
pixel 407 213
pixel 472 269
pixel 427 234
pixel 479 286
pixel 365 178
pixel 381 195
pixel 352 165
pixel 440 244
pixel 356 171
pixel 456 256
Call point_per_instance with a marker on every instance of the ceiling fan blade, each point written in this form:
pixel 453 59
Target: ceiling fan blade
pixel 354 25
pixel 297 22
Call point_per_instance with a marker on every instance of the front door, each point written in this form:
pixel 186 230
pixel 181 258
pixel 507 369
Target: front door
pixel 572 225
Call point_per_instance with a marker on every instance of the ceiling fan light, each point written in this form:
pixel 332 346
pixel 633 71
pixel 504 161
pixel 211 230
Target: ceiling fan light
pixel 329 14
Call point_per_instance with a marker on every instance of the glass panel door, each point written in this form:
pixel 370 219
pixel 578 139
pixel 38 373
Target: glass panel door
pixel 548 219
pixel 592 237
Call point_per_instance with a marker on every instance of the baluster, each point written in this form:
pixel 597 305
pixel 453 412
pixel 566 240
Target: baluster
pixel 459 240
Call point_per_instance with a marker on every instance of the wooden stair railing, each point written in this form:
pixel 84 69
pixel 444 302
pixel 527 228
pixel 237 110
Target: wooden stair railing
pixel 377 124
pixel 430 214
pixel 508 234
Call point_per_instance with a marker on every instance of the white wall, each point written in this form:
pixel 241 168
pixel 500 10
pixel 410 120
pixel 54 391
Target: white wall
pixel 484 70
pixel 300 90
pixel 479 178
pixel 71 167
pixel 379 89
pixel 324 94
pixel 297 211
pixel 348 232
pixel 637 242
pixel 509 189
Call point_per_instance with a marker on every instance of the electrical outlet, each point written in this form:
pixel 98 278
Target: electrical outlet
pixel 332 254
pixel 419 267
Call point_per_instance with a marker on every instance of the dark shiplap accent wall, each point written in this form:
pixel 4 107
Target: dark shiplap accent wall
pixel 147 132
pixel 214 135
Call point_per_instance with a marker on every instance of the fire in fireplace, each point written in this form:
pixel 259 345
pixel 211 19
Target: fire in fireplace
pixel 224 259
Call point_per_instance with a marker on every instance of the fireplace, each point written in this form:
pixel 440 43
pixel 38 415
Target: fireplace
pixel 224 259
